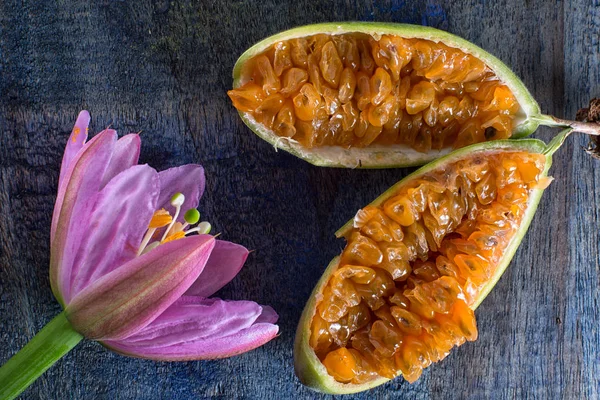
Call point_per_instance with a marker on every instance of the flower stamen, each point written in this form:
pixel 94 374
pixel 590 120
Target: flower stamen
pixel 177 226
pixel 174 236
pixel 151 246
pixel 176 201
pixel 191 217
pixel 174 229
pixel 159 219
pixel 203 228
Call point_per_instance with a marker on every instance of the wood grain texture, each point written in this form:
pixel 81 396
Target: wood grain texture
pixel 163 68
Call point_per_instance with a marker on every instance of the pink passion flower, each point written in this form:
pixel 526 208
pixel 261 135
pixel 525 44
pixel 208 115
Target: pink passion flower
pixel 130 269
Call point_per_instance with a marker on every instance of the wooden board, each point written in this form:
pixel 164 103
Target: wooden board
pixel 163 68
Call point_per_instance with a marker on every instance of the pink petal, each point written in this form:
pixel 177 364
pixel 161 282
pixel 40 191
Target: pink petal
pixel 125 155
pixel 268 316
pixel 82 181
pixel 192 318
pixel 224 263
pixel 64 173
pixel 114 231
pixel 194 328
pixel 187 179
pixel 127 299
pixel 76 141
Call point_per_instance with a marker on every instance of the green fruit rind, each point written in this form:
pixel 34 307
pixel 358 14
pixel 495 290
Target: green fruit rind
pixel 309 369
pixel 383 156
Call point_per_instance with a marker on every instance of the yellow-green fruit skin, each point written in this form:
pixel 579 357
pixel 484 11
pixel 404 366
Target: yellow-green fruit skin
pixel 308 367
pixel 380 156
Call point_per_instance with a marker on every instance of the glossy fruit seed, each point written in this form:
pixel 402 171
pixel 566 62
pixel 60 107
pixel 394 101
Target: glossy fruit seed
pixel 372 95
pixel 418 260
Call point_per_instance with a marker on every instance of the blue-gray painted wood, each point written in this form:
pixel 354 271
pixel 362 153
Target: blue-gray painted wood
pixel 163 68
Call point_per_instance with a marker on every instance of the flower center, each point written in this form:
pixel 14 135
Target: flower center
pixel 167 228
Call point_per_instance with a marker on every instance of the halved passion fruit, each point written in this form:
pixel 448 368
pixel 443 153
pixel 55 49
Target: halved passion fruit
pixel 374 95
pixel 418 260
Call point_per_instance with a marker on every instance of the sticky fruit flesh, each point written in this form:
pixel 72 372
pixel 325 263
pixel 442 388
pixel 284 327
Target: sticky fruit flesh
pixel 356 90
pixel 417 263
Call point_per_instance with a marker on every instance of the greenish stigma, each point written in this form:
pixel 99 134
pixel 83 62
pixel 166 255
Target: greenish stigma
pixel 191 216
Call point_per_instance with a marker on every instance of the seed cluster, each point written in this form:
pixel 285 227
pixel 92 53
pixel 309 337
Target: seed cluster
pixel 354 90
pixel 401 296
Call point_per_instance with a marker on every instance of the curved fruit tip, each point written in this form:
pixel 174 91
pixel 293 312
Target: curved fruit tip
pixel 557 141
pixel 309 369
pixel 383 156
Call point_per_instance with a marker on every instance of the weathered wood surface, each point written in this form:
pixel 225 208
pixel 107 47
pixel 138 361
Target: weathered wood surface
pixel 163 68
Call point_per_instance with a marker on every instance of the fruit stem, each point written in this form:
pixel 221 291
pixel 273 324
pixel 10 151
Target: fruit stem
pixel 589 128
pixel 557 141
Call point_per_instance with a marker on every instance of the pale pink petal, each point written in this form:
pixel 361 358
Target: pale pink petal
pixel 125 155
pixel 195 328
pixel 126 300
pixel 76 141
pixel 187 179
pixel 114 231
pixel 224 263
pixel 74 202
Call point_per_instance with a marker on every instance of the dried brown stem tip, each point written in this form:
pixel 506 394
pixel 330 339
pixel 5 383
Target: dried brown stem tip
pixel 591 115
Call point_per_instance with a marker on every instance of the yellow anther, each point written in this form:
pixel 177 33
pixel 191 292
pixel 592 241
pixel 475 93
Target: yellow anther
pixel 174 236
pixel 159 219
